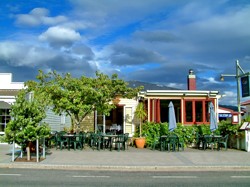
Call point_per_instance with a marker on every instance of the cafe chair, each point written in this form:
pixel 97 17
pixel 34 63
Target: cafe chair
pixel 106 141
pixel 84 138
pixel 164 142
pixel 207 142
pixel 173 142
pixel 155 142
pixel 180 144
pixel 77 141
pixel 95 141
pixel 61 141
pixel 223 141
pixel 199 139
pixel 120 141
pixel 125 142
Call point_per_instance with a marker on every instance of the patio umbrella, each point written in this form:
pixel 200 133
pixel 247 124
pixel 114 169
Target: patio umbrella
pixel 171 117
pixel 213 120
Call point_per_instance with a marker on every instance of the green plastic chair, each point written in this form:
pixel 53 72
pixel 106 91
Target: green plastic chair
pixel 199 139
pixel 208 142
pixel 180 144
pixel 84 138
pixel 120 141
pixel 125 141
pixel 106 141
pixel 61 141
pixel 156 141
pixel 173 142
pixel 95 141
pixel 223 141
pixel 164 142
pixel 77 141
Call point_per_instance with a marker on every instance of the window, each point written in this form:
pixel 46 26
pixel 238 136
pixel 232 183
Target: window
pixel 4 119
pixel 207 114
pixel 63 119
pixel 189 111
pixel 196 111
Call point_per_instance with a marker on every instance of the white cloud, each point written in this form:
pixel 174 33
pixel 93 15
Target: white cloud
pixel 229 98
pixel 59 36
pixel 175 85
pixel 26 56
pixel 212 80
pixel 38 16
pixel 16 54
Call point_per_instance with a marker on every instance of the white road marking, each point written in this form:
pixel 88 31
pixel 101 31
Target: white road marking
pixel 91 176
pixel 241 177
pixel 8 174
pixel 175 177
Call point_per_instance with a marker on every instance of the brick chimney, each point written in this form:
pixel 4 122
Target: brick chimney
pixel 191 80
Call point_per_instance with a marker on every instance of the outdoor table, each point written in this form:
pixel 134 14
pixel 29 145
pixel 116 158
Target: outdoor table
pixel 216 139
pixel 110 138
pixel 211 139
pixel 68 137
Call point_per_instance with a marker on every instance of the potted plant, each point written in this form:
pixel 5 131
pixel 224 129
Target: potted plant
pixel 140 113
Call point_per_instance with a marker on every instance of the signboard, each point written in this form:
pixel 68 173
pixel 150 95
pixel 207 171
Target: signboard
pixel 245 86
pixel 227 115
pixel 245 125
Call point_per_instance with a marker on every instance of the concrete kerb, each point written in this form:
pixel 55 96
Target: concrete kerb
pixel 126 168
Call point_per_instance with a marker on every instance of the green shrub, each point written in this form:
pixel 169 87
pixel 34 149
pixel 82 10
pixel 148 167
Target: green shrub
pixel 186 133
pixel 2 139
pixel 226 127
pixel 247 118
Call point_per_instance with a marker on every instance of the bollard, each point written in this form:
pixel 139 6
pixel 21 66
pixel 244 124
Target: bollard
pixel 28 153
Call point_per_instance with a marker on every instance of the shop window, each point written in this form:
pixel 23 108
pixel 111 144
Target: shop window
pixel 189 111
pixel 207 111
pixel 4 119
pixel 198 111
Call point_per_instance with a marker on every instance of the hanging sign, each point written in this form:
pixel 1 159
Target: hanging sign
pixel 245 86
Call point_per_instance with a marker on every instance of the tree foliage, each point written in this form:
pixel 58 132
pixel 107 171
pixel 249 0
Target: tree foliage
pixel 25 125
pixel 78 97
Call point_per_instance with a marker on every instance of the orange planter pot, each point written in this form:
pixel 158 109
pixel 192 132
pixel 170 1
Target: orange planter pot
pixel 140 142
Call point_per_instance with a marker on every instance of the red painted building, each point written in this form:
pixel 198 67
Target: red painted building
pixel 191 106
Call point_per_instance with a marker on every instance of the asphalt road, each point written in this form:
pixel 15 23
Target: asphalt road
pixel 38 177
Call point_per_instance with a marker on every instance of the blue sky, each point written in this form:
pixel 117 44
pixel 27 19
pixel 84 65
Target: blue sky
pixel 154 41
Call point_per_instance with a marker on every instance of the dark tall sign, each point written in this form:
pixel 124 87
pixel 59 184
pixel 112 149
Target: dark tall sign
pixel 245 86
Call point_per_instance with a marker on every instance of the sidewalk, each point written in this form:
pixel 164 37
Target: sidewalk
pixel 134 159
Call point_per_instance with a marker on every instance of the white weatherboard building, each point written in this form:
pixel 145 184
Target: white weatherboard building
pixel 8 92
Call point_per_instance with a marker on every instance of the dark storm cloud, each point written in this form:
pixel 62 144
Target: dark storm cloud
pixel 84 51
pixel 76 66
pixel 133 55
pixel 169 74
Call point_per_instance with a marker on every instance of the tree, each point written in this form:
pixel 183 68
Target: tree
pixel 140 113
pixel 79 97
pixel 26 116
